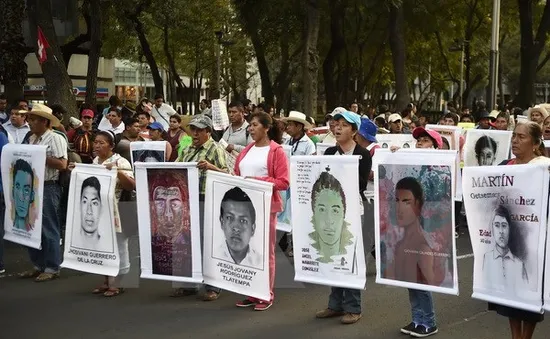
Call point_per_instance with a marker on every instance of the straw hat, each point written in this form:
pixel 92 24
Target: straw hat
pixel 298 117
pixel 538 108
pixel 43 111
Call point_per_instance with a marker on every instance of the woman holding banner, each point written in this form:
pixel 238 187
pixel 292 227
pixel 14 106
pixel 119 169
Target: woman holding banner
pixel 528 148
pixel 264 159
pixel 346 302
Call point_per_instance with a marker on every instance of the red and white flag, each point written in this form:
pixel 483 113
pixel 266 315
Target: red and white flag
pixel 42 46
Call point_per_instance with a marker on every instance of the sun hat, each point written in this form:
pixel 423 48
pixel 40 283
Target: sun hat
pixel 352 118
pixel 337 110
pixel 436 137
pixel 394 117
pixel 537 108
pixel 43 111
pixel 298 117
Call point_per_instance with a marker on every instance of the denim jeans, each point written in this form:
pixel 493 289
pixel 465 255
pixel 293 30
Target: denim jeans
pixel 2 212
pixel 345 300
pixel 48 258
pixel 422 308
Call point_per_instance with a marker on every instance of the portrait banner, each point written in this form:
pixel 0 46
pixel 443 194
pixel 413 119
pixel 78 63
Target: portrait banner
pixel 220 118
pixel 486 147
pixel 23 170
pixel 328 245
pixel 414 219
pixel 399 140
pixel 90 235
pixel 507 224
pixel 284 219
pixel 322 147
pixel 236 234
pixel 169 221
pixel 148 151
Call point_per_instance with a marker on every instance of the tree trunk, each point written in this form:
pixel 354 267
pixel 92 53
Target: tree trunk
pixel 397 46
pixel 96 35
pixel 338 43
pixel 58 83
pixel 530 51
pixel 310 58
pixel 12 48
pixel 172 65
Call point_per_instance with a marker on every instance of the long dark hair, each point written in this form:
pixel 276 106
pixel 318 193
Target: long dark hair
pixel 516 238
pixel 273 133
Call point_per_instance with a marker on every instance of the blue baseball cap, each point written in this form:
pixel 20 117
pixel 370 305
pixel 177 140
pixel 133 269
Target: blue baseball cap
pixel 368 129
pixel 156 126
pixel 352 118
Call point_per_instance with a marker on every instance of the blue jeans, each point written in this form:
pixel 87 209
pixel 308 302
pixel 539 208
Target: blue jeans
pixel 422 308
pixel 345 300
pixel 48 258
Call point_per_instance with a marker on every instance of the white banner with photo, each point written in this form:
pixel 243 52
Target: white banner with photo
pixel 284 218
pixel 328 245
pixel 414 219
pixel 486 147
pixel 236 234
pixel 90 235
pixel 507 221
pixel 148 151
pixel 23 169
pixel 220 118
pixel 452 134
pixel 169 221
pixel 399 140
pixel 322 147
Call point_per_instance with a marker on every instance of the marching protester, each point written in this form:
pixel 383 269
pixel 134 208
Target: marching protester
pixel 144 119
pixel 130 134
pixel 537 114
pixel 346 302
pixel 210 156
pixel 82 137
pixel 174 135
pixel 265 160
pixel 296 127
pixel 162 112
pixel 156 131
pixel 329 137
pixel 46 261
pixel 236 135
pixel 16 126
pixel 528 148
pixel 396 123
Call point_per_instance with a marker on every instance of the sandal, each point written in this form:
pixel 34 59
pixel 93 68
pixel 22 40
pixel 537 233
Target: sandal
pixel 29 274
pixel 113 292
pixel 101 289
pixel 46 277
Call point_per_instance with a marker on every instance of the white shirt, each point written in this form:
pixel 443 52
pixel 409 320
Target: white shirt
pixel 116 130
pixel 504 272
pixel 17 134
pixel 254 163
pixel 163 114
pixel 252 259
pixel 329 139
pixel 304 146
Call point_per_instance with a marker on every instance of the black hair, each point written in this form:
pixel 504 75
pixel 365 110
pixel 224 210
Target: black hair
pixel 147 115
pixel 516 240
pixel 411 184
pixel 149 154
pixel 246 102
pixel 23 100
pixel 130 121
pixel 177 117
pixel 159 96
pixel 238 195
pixel 25 167
pixel 446 142
pixel 327 181
pixel 114 101
pixel 237 104
pixel 265 119
pixel 469 116
pixel 57 108
pixel 92 182
pixel 116 110
pixel 485 142
pixel 110 136
pixel 3 96
pixel 453 116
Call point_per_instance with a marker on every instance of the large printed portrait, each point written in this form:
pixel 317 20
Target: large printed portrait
pixel 92 225
pixel 416 224
pixel 486 147
pixel 145 155
pixel 24 195
pixel 238 230
pixel 170 221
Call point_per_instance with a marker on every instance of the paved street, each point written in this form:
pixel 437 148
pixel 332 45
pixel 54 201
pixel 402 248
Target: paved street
pixel 65 309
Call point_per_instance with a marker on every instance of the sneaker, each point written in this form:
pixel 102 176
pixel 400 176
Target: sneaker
pixel 246 303
pixel 328 313
pixel 350 318
pixel 423 331
pixel 262 306
pixel 409 328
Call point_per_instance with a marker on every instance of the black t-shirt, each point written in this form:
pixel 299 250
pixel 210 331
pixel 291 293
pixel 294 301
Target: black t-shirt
pixel 365 165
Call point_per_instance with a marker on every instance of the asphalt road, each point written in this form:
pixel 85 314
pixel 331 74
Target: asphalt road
pixel 66 309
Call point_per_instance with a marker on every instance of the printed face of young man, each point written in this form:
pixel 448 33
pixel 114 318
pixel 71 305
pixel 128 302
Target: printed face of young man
pixel 486 157
pixel 90 209
pixel 237 224
pixel 328 216
pixel 168 206
pixel 22 193
pixel 406 208
pixel 501 231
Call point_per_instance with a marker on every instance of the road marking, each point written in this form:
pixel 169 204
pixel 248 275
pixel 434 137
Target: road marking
pixel 464 256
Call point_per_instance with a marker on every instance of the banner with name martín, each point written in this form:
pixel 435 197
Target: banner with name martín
pixel 236 234
pixel 414 219
pixel 169 221
pixel 23 170
pixel 284 218
pixel 328 244
pixel 506 208
pixel 90 235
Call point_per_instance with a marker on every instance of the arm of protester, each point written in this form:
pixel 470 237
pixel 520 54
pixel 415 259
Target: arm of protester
pixel 280 180
pixel 206 166
pixel 55 163
pixel 168 151
pixel 394 148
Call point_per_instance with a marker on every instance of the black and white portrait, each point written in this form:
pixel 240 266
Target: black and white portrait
pixel 92 229
pixel 486 147
pixel 239 237
pixel 486 150
pixel 503 265
pixel 148 155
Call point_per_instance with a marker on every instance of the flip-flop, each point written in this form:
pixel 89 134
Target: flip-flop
pixel 46 277
pixel 29 274
pixel 100 290
pixel 113 292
